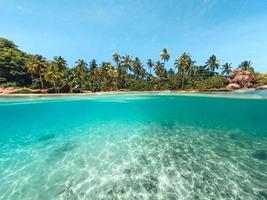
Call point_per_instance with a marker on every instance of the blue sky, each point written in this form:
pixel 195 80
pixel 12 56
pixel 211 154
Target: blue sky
pixel 234 30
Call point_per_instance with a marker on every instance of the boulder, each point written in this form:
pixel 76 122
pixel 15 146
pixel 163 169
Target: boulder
pixel 9 90
pixel 233 86
pixel 245 79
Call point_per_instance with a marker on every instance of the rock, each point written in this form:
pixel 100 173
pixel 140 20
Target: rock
pixel 9 90
pixel 233 86
pixel 263 87
pixel 244 79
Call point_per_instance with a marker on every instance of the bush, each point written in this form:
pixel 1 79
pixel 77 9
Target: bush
pixel 9 84
pixel 261 79
pixel 137 85
pixel 25 91
pixel 174 82
pixel 214 82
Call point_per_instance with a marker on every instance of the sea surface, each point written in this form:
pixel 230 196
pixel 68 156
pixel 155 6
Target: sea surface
pixel 134 146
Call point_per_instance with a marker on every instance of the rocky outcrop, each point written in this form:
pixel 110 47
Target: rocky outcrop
pixel 241 79
pixel 233 86
pixel 9 90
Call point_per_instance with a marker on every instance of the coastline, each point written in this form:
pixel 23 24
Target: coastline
pixel 111 93
pixel 236 94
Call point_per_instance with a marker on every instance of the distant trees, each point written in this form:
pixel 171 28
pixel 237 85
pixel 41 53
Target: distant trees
pixel 36 65
pixel 183 64
pixel 13 70
pixel 125 72
pixel 246 65
pixel 227 69
pixel 212 64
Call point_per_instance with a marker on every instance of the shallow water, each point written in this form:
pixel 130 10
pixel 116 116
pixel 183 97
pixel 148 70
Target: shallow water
pixel 141 146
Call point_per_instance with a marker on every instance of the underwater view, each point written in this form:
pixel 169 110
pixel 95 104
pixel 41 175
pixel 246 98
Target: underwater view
pixel 134 146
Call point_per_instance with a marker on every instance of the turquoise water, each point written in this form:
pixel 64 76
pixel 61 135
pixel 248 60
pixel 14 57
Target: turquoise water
pixel 141 146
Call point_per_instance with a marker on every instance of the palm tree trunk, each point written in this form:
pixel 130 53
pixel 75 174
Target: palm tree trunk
pixel 41 80
pixel 54 85
pixel 183 81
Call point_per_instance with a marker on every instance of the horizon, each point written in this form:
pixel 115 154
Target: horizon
pixel 87 30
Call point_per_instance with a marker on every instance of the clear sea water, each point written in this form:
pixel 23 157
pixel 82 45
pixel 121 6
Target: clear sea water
pixel 134 146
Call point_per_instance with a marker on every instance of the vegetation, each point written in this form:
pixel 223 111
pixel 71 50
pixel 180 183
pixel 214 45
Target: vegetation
pixel 19 69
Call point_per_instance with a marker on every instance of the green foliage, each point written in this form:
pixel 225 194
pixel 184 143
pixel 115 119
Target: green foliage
pixel 138 84
pixel 18 69
pixel 13 65
pixel 261 79
pixel 214 82
pixel 25 91
pixel 5 43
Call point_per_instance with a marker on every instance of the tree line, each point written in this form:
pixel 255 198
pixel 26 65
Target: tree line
pixel 19 69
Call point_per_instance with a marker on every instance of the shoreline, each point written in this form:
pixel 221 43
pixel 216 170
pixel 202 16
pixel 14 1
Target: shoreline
pixel 218 94
pixel 115 92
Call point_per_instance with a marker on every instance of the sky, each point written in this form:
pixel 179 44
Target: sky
pixel 233 30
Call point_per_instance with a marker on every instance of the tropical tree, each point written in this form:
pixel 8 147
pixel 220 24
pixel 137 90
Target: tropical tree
pixel 31 65
pixel 36 66
pixel 160 71
pixel 116 58
pixel 246 66
pixel 5 43
pixel 165 55
pixel 106 67
pixel 13 70
pixel 82 70
pixel 150 65
pixel 226 69
pixel 137 68
pixel 212 64
pixel 92 65
pixel 60 63
pixel 53 74
pixel 127 62
pixel 113 74
pixel 72 79
pixel 183 64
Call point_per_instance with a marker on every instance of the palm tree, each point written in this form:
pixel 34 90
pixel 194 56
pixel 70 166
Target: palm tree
pixel 31 65
pixel 72 78
pixel 53 74
pixel 246 66
pixel 127 62
pixel 226 69
pixel 150 65
pixel 116 58
pixel 212 64
pixel 165 55
pixel 123 70
pixel 93 77
pixel 183 64
pixel 82 70
pixel 106 67
pixel 92 65
pixel 192 70
pixel 137 67
pixel 113 74
pixel 160 71
pixel 60 62
pixel 36 65
pixel 93 73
